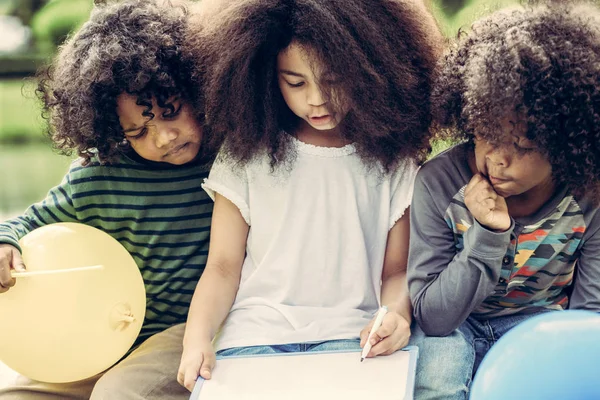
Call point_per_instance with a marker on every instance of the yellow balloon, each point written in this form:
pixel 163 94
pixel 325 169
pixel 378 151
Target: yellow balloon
pixel 78 308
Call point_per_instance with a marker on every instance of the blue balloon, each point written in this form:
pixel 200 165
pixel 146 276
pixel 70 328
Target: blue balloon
pixel 555 355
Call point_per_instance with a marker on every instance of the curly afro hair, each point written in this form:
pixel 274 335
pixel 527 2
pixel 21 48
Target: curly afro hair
pixel 382 54
pixel 134 46
pixel 542 64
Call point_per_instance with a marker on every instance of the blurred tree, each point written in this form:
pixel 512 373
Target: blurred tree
pixel 56 19
pixel 451 7
pixel 27 8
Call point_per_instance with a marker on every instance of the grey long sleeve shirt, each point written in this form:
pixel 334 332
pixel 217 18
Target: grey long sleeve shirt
pixel 458 268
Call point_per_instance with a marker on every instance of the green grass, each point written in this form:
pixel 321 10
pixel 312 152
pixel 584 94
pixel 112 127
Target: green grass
pixel 20 112
pixel 27 172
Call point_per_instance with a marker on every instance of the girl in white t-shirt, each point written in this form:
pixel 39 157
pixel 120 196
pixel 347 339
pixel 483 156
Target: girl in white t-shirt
pixel 323 105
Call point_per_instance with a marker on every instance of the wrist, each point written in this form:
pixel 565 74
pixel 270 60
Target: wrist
pixel 197 345
pixel 495 229
pixel 403 309
pixel 196 339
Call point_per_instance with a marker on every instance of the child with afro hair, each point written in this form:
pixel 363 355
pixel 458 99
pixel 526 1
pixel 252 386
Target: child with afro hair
pixel 121 94
pixel 506 225
pixel 324 110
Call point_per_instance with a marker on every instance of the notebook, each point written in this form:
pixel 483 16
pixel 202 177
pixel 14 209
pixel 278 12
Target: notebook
pixel 328 375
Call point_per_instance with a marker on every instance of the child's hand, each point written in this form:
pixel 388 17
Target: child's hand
pixel 196 361
pixel 487 207
pixel 392 335
pixel 10 259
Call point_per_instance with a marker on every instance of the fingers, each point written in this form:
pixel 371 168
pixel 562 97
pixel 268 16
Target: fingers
pixel 6 279
pixel 391 336
pixel 364 334
pixel 17 261
pixel 390 344
pixel 485 193
pixel 480 196
pixel 189 378
pixel 387 328
pixel 191 369
pixel 382 339
pixel 188 372
pixel 208 365
pixel 475 181
pixel 479 184
pixel 488 205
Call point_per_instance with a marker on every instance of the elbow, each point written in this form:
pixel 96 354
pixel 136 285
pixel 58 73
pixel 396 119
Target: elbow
pixel 222 271
pixel 433 326
pixel 435 329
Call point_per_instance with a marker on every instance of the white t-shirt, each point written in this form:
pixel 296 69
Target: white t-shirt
pixel 316 243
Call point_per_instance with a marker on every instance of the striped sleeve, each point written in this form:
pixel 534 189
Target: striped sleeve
pixel 56 207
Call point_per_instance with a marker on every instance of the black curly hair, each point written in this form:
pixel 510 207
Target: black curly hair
pixel 542 63
pixel 382 53
pixel 134 46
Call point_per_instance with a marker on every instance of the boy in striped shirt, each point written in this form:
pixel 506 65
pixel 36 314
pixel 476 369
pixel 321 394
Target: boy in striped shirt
pixel 123 94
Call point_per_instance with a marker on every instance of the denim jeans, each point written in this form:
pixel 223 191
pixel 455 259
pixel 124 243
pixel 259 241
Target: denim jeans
pixel 447 364
pixel 330 345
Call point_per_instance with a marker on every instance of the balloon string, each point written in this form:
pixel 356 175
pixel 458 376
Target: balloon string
pixel 25 274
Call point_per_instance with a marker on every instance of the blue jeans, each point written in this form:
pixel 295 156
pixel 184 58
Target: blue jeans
pixel 447 364
pixel 330 345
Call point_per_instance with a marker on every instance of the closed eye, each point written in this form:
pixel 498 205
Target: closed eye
pixel 295 85
pixel 524 150
pixel 139 135
pixel 524 145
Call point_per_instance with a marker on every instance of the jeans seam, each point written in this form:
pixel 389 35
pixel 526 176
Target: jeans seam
pixel 491 331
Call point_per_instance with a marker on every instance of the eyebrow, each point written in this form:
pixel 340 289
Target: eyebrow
pixel 288 72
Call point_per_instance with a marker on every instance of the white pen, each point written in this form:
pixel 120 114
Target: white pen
pixel 378 320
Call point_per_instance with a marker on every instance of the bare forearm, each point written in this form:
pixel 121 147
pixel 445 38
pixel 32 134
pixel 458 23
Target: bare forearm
pixel 394 295
pixel 212 301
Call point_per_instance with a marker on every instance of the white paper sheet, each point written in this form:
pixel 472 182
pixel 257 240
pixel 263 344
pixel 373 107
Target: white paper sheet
pixel 311 376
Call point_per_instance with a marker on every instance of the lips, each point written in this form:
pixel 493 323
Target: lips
pixel 176 150
pixel 495 180
pixel 320 119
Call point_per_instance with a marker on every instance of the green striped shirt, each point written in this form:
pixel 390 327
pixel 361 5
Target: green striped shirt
pixel 159 213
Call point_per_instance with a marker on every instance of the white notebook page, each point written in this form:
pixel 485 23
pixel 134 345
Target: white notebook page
pixel 311 376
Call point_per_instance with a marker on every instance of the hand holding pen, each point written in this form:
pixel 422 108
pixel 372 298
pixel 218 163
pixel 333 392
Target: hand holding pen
pixel 385 336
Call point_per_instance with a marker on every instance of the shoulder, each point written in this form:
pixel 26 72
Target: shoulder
pixel 449 166
pixel 445 174
pixel 590 210
pixel 80 167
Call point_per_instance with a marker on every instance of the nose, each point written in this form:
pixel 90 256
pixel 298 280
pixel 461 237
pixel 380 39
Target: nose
pixel 499 156
pixel 314 96
pixel 164 134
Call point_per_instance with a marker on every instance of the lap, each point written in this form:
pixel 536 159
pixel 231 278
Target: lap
pixel 149 372
pixel 24 388
pixel 328 345
pixel 444 367
pixel 447 364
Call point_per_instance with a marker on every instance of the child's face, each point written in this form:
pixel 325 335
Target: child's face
pixel 515 166
pixel 298 81
pixel 173 138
